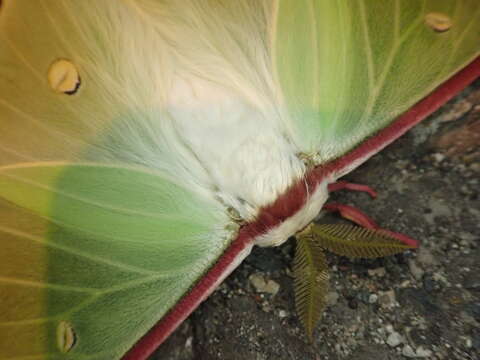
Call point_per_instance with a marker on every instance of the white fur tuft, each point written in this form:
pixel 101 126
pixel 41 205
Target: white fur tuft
pixel 215 86
pixel 185 88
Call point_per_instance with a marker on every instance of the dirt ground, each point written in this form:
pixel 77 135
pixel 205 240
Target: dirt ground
pixel 423 304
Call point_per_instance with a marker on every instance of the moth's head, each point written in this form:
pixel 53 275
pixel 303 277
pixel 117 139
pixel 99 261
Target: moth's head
pixel 311 202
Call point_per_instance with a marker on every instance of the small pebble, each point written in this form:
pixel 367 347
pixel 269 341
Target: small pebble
pixel 468 342
pixel 380 272
pixel 438 157
pixel 457 110
pixel 394 339
pixel 387 299
pixel 266 307
pixel 423 353
pixel 425 257
pixel 389 328
pixel 332 298
pixel 282 314
pixel 475 167
pixel 416 271
pixel 263 285
pixel 272 287
pixel 440 278
pixel 407 351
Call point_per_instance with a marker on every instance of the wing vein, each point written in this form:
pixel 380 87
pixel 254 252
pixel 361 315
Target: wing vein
pixel 8 150
pixel 123 210
pixel 458 41
pixel 105 75
pixel 38 123
pixel 376 90
pixel 96 258
pixel 314 43
pixel 30 283
pixel 368 45
pixel 42 79
pixel 344 65
pixel 133 283
pixel 396 19
pixel 59 316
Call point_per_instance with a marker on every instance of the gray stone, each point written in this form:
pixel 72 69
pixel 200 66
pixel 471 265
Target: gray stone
pixel 372 299
pixel 380 272
pixel 389 328
pixel 332 298
pixel 263 285
pixel 394 339
pixel 415 270
pixel 457 111
pixel 468 342
pixel 475 167
pixel 387 299
pixel 440 278
pixel 425 258
pixel 408 352
pixel 438 157
pixel 423 353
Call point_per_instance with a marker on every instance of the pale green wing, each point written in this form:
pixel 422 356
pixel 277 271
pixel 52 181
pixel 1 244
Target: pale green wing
pixel 92 256
pixel 348 68
pixel 101 229
pixel 117 113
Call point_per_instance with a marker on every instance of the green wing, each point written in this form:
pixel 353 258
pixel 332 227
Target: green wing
pixel 348 68
pixel 97 240
pixel 102 226
pixel 93 255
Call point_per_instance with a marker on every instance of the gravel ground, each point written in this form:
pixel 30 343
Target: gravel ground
pixel 423 304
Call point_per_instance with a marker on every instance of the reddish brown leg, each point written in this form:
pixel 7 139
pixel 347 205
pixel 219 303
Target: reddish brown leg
pixel 360 218
pixel 340 185
pixel 353 214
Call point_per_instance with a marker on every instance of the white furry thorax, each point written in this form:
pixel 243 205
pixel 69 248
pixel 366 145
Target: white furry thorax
pixel 244 152
pixel 230 132
pixel 240 146
pixel 218 123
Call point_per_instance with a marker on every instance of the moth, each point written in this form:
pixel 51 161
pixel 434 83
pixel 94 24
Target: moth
pixel 147 145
